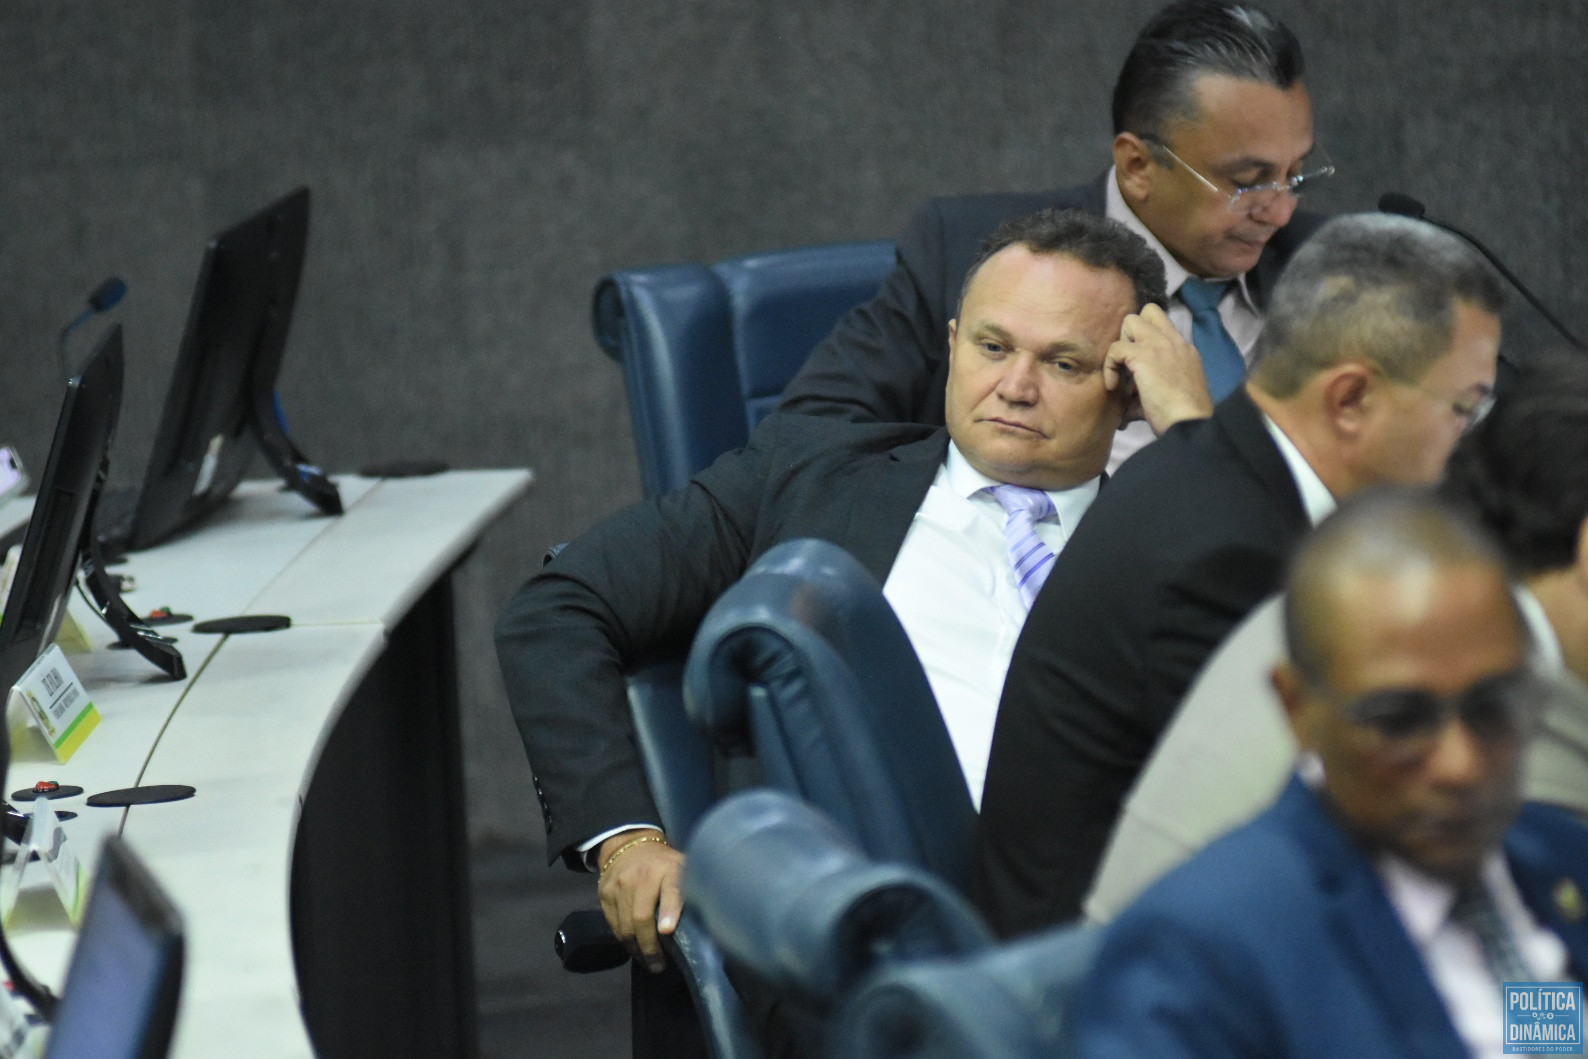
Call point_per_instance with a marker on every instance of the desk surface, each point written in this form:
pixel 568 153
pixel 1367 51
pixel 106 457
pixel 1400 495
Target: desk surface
pixel 247 725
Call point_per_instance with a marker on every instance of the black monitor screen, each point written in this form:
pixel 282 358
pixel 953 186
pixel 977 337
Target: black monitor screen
pixel 229 359
pixel 52 549
pixel 121 991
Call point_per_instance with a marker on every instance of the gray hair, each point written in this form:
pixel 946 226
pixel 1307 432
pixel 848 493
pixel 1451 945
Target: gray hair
pixel 1374 287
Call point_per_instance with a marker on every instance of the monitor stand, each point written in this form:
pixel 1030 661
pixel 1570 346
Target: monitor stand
pixel 300 476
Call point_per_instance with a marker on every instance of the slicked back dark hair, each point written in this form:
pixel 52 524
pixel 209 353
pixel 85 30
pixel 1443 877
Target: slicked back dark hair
pixel 1523 470
pixel 1191 38
pixel 1092 240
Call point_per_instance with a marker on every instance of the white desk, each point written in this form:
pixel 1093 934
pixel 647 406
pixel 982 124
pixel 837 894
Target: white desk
pixel 259 861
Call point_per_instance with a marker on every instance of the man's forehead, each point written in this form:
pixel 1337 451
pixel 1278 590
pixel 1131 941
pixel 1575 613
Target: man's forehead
pixel 1405 626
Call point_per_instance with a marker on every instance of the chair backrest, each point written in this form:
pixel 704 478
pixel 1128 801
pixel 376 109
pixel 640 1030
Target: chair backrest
pixel 1011 1001
pixel 793 900
pixel 804 662
pixel 707 351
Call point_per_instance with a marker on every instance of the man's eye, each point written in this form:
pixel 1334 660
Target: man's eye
pixel 994 348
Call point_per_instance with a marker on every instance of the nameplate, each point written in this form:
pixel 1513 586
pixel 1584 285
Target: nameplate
pixel 57 702
pixel 47 837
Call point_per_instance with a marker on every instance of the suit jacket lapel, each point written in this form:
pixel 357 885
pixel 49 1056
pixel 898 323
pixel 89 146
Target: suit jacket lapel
pixel 1247 434
pixel 1547 851
pixel 1370 932
pixel 890 492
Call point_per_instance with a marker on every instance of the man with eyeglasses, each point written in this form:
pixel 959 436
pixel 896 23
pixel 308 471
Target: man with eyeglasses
pixel 1378 907
pixel 1213 146
pixel 1522 472
pixel 1378 353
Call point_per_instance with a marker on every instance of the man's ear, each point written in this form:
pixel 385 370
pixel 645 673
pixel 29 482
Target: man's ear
pixel 1134 163
pixel 953 330
pixel 1349 390
pixel 1287 684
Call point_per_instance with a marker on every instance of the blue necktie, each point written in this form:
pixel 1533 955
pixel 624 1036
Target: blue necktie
pixel 1030 557
pixel 1221 357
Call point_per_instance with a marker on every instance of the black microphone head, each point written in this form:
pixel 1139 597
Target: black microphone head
pixel 107 294
pixel 1405 205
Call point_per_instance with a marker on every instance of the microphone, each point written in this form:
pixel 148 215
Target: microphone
pixel 1406 206
pixel 101 299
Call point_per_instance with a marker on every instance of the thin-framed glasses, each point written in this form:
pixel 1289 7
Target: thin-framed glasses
pixel 1249 198
pixel 1408 722
pixel 1471 408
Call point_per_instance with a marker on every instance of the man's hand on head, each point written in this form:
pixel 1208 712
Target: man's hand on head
pixel 1162 370
pixel 640 892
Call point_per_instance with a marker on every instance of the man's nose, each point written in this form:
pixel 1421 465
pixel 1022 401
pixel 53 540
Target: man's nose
pixel 1457 758
pixel 1018 384
pixel 1275 209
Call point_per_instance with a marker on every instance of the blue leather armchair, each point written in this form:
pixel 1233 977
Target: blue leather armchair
pixel 894 962
pixel 798 905
pixel 891 959
pixel 804 662
pixel 707 350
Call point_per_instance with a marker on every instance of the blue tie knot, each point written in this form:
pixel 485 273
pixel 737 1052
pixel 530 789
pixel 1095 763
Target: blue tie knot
pixel 1201 295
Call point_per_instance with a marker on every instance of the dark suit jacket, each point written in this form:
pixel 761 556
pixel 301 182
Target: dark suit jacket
pixel 1191 534
pixel 1279 941
pixel 887 360
pixel 634 589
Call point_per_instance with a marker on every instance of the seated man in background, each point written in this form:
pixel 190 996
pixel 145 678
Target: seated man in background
pixel 1377 908
pixel 1524 474
pixel 1378 352
pixel 1522 471
pixel 1213 143
pixel 1057 341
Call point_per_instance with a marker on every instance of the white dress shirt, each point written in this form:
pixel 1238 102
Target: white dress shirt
pixel 953 589
pixel 1315 496
pixel 1237 309
pixel 1453 954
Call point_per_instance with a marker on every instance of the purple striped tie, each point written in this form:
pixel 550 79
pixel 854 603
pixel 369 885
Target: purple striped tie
pixel 1031 558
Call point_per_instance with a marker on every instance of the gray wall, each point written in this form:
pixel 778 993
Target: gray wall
pixel 476 168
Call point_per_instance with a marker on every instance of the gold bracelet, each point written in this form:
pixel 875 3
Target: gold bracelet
pixel 630 844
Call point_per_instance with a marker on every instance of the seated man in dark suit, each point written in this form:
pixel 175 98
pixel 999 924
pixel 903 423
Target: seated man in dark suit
pixel 1378 907
pixel 1213 144
pixel 1378 352
pixel 1056 338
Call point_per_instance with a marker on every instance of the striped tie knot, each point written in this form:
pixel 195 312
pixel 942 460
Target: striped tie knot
pixel 1030 558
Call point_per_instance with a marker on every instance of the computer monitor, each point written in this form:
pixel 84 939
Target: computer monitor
pixel 122 987
pixel 59 540
pixel 220 406
pixel 50 549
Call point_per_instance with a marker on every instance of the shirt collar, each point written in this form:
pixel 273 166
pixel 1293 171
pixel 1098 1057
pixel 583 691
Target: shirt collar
pixel 1174 274
pixel 1546 644
pixel 1068 504
pixel 1424 902
pixel 1315 496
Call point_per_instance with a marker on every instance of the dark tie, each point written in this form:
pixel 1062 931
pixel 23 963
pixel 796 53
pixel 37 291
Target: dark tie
pixel 1475 909
pixel 1221 357
pixel 1030 558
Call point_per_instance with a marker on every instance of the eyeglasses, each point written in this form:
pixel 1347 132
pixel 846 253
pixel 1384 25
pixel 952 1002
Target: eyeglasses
pixel 1409 721
pixel 1470 408
pixel 1249 198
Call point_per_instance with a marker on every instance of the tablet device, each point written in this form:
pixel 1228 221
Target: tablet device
pixel 126 974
